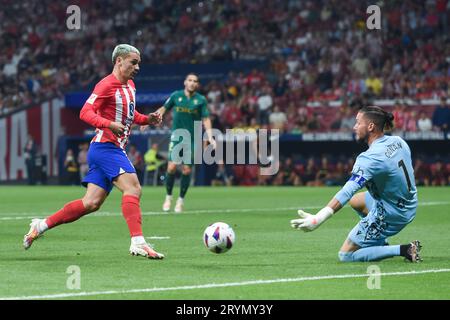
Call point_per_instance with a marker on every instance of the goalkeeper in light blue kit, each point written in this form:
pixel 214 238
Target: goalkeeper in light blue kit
pixel 390 203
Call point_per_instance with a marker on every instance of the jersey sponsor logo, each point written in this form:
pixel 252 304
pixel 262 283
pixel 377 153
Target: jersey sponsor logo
pixel 359 179
pixel 186 110
pixel 131 107
pixel 92 98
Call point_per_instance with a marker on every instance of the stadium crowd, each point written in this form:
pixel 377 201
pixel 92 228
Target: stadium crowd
pixel 317 52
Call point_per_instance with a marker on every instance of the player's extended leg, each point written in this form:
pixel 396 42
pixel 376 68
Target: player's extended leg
pixel 72 211
pixel 350 252
pixel 128 183
pixel 170 180
pixel 184 186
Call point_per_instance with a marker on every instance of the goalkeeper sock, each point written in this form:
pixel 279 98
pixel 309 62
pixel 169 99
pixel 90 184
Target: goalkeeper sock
pixel 131 211
pixel 170 180
pixel 370 253
pixel 184 184
pixel 70 212
pixel 404 249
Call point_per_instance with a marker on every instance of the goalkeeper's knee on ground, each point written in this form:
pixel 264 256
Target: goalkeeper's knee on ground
pixel 345 256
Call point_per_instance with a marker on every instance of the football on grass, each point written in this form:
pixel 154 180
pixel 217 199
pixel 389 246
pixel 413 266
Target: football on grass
pixel 219 237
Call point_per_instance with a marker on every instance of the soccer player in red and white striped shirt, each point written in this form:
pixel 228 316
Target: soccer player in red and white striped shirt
pixel 111 110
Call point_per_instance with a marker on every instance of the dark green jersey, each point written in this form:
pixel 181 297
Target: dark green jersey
pixel 186 110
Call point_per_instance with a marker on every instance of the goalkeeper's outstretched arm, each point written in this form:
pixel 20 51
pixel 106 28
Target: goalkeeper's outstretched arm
pixel 309 222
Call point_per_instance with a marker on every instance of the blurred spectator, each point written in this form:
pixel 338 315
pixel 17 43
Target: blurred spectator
pixel 323 172
pixel 264 104
pixel 439 176
pixel 287 176
pixel 422 173
pixel 277 118
pixel 153 161
pixel 309 174
pixel 399 116
pixel 348 121
pixel 82 159
pixel 137 161
pixel 441 116
pixel 30 152
pixel 71 169
pixel 374 83
pixel 424 123
pixel 314 123
pixel 224 175
pixel 410 121
pixel 338 176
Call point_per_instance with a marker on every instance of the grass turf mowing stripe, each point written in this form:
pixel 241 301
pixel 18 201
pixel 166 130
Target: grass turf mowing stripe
pixel 17 216
pixel 219 285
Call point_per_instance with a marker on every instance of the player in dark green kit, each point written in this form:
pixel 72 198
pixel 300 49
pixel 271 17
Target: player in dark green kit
pixel 187 106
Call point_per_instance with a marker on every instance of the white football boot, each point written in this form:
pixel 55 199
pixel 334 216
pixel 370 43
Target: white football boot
pixel 167 203
pixel 179 205
pixel 145 250
pixel 32 234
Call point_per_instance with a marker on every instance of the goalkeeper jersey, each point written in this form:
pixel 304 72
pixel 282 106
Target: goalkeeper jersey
pixel 385 169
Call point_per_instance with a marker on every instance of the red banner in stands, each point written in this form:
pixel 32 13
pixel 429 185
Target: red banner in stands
pixel 43 123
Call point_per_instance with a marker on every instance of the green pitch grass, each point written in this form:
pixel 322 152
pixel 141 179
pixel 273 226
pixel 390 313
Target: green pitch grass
pixel 270 260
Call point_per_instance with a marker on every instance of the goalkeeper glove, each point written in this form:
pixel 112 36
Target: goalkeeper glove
pixel 309 222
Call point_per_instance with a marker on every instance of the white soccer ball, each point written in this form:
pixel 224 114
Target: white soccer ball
pixel 219 237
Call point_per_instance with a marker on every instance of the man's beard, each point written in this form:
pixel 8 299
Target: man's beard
pixel 363 139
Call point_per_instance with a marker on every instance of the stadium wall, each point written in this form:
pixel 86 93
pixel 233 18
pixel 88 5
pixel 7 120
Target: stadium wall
pixel 43 123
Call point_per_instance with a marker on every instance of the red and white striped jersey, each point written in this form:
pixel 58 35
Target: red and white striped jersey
pixel 112 101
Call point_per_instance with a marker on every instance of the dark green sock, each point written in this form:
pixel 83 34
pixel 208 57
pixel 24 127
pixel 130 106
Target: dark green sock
pixel 184 184
pixel 170 180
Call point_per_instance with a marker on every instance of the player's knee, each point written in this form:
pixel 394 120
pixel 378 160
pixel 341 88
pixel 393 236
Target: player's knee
pixel 187 171
pixel 134 190
pixel 171 169
pixel 92 205
pixel 345 256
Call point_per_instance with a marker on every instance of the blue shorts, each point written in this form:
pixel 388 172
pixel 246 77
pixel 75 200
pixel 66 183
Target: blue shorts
pixel 375 228
pixel 106 162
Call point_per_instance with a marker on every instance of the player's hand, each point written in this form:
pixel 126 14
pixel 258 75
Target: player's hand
pixel 310 222
pixel 154 118
pixel 117 128
pixel 307 221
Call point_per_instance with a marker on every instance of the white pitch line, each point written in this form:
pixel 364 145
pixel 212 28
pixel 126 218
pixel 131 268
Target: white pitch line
pixel 19 216
pixel 221 285
pixel 157 238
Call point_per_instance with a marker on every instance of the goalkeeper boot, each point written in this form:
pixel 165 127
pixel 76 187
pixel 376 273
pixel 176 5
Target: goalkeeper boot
pixel 145 250
pixel 167 203
pixel 179 205
pixel 413 252
pixel 33 234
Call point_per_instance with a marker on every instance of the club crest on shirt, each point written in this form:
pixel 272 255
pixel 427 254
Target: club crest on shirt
pixel 92 98
pixel 180 99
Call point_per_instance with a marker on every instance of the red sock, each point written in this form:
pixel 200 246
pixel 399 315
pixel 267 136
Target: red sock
pixel 70 212
pixel 132 212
